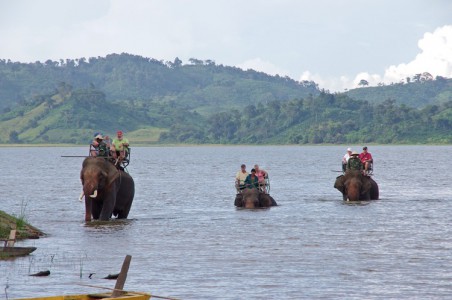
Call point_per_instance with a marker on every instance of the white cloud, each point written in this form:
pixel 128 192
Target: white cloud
pixel 332 84
pixel 261 65
pixel 435 58
pixel 276 37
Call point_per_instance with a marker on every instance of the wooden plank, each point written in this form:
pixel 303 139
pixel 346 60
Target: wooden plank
pixel 12 238
pixel 122 278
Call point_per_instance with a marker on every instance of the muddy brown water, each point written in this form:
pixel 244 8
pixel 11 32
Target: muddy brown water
pixel 187 239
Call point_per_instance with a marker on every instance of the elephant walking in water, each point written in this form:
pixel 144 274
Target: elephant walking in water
pixel 108 191
pixel 253 198
pixel 354 186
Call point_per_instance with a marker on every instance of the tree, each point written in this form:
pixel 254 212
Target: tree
pixel 196 62
pixel 426 76
pixel 363 82
pixel 14 137
pixel 177 63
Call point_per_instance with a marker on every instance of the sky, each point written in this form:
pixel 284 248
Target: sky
pixel 334 43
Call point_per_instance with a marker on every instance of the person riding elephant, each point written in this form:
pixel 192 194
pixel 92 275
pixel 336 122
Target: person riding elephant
pixel 99 147
pixel 107 190
pixel 254 198
pixel 354 163
pixel 252 181
pixel 354 186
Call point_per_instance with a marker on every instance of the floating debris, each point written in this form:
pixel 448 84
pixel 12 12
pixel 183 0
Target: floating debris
pixel 112 276
pixel 42 273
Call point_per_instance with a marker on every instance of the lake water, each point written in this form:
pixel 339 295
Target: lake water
pixel 187 240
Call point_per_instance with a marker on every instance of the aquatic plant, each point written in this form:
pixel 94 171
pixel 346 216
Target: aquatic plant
pixel 21 219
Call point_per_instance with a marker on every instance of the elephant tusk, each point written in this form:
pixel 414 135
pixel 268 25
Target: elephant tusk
pixel 94 195
pixel 81 196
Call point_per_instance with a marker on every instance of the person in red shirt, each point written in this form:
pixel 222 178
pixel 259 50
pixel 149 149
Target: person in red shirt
pixel 366 159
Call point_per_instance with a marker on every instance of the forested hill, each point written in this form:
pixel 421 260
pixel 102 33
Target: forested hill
pixel 201 102
pixel 418 91
pixel 198 84
pixel 72 116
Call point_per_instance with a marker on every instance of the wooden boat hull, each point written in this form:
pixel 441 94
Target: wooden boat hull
pixel 127 296
pixel 8 252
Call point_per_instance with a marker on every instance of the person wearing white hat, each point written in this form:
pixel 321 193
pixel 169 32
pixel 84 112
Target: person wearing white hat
pixel 345 159
pixel 99 147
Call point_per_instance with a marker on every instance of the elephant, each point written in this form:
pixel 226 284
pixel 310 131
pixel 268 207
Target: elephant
pixel 354 186
pixel 108 191
pixel 253 198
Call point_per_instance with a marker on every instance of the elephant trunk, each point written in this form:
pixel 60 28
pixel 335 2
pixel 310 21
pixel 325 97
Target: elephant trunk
pixel 250 204
pixel 353 189
pixel 250 198
pixel 88 203
pixel 353 195
pixel 90 192
pixel 90 189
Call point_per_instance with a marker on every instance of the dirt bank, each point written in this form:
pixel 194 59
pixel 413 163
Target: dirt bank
pixel 24 230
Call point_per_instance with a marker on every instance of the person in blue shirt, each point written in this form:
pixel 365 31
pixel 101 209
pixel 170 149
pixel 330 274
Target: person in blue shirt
pixel 251 180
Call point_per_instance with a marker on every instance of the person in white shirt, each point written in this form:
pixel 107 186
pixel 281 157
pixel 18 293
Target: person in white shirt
pixel 346 158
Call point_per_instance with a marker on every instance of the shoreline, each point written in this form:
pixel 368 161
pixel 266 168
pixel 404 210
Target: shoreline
pixel 24 230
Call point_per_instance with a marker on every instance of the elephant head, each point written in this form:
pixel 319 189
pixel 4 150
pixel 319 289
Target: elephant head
pixel 354 186
pixel 101 187
pixel 250 198
pixel 247 198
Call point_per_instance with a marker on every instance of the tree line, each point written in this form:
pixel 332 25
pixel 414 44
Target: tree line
pixel 69 116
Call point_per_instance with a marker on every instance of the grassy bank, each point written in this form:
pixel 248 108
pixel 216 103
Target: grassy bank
pixel 24 230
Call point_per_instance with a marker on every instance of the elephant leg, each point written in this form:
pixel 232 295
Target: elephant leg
pixel 96 208
pixel 108 207
pixel 238 200
pixel 124 197
pixel 124 212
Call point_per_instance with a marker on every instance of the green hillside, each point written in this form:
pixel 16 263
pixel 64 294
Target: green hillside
pixel 156 102
pixel 327 118
pixel 200 85
pixel 417 93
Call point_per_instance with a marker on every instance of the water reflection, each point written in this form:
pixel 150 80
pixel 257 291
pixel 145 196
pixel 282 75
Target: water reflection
pixel 109 226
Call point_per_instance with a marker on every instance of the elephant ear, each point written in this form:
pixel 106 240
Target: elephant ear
pixel 366 185
pixel 339 183
pixel 111 176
